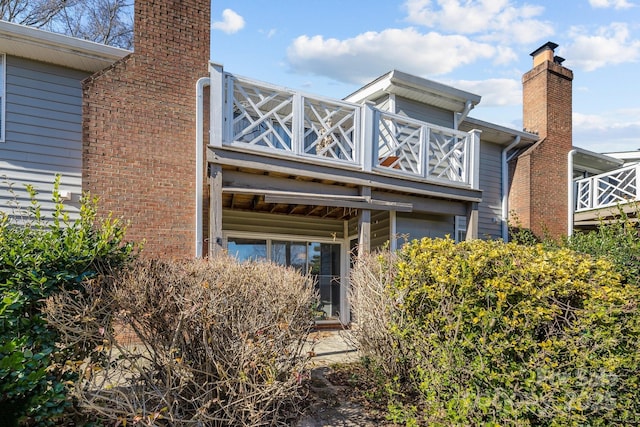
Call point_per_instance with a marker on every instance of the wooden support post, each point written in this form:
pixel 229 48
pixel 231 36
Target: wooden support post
pixel 472 221
pixel 364 226
pixel 215 212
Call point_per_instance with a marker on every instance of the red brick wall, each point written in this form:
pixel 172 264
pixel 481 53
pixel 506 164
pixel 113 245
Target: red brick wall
pixel 547 109
pixel 139 126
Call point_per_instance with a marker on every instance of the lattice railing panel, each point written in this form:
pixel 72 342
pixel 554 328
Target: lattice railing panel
pixel 448 153
pixel 400 145
pixel 262 116
pixel 330 129
pixel 583 194
pixel 608 189
pixel 270 118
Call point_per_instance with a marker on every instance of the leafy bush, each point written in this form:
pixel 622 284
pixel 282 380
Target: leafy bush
pixel 488 333
pixel 617 241
pixel 214 342
pixel 40 257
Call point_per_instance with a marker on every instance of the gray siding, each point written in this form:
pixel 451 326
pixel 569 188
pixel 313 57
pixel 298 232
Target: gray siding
pixel 490 209
pixel 254 222
pixel 380 229
pixel 424 112
pixel 416 226
pixel 43 132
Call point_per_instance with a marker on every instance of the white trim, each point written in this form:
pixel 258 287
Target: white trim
pixel 458 228
pixel 58 49
pixel 344 258
pixel 393 231
pixel 3 96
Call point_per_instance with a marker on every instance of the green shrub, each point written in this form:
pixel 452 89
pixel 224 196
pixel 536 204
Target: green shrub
pixel 488 333
pixel 617 241
pixel 201 342
pixel 40 257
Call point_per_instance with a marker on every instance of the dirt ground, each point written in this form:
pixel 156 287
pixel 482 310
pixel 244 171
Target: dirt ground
pixel 334 402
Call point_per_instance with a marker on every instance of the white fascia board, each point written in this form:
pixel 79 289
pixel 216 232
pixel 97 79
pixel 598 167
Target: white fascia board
pixel 33 43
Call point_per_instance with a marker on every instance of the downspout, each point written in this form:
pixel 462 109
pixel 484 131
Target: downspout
pixel 461 117
pixel 200 85
pixel 570 201
pixel 505 188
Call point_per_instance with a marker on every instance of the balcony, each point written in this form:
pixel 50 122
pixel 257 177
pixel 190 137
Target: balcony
pixel 275 121
pixel 601 196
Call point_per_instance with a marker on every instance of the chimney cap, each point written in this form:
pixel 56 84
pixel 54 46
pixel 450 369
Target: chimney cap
pixel 546 46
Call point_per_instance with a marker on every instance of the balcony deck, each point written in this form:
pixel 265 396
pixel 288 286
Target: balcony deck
pixel 605 195
pixel 266 120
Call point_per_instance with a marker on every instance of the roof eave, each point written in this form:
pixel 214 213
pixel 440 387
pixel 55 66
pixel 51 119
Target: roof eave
pixel 33 43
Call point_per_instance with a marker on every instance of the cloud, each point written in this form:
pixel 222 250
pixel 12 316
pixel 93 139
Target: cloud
pixel 616 4
pixel 231 22
pixel 495 92
pixel 369 55
pixel 608 131
pixel 610 45
pixel 491 20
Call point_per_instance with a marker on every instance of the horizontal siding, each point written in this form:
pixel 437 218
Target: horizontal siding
pixel 490 209
pixel 43 132
pixel 426 113
pixel 255 222
pixel 417 226
pixel 380 229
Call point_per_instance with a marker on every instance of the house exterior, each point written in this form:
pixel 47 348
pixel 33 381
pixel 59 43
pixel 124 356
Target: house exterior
pixel 201 160
pixel 41 112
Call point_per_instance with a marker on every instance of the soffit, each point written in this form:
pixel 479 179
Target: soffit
pixel 497 134
pixel 32 43
pixel 593 162
pixel 417 89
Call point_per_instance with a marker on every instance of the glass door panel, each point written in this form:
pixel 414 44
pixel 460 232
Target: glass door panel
pixel 247 249
pixel 322 262
pixel 292 254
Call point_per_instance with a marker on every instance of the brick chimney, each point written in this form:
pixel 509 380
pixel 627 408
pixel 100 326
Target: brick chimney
pixel 139 126
pixel 538 193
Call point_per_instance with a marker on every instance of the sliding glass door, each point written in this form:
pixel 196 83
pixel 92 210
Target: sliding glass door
pixel 321 260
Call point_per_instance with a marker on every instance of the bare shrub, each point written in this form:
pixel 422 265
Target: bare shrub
pixel 214 343
pixel 371 308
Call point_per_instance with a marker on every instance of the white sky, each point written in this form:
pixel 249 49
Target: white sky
pixel 332 47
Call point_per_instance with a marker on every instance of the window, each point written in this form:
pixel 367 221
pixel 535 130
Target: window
pixel 319 260
pixel 460 228
pixel 2 95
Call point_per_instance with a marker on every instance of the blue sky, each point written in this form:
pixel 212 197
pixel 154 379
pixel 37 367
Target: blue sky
pixel 332 47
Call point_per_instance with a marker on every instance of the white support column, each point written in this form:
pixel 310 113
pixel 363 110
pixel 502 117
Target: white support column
pixel 474 160
pixel 217 105
pixel 364 226
pixel 425 135
pixel 369 143
pixel 472 221
pixel 215 209
pixel 570 195
pixel 393 231
pixel 297 124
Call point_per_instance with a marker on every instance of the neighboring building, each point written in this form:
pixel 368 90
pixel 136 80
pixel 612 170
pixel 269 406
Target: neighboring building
pixel 41 111
pixel 602 186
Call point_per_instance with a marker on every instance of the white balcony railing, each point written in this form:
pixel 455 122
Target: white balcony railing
pixel 260 117
pixel 608 189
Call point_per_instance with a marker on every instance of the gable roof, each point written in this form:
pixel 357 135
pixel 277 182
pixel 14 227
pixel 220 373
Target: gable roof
pixel 415 88
pixel 33 43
